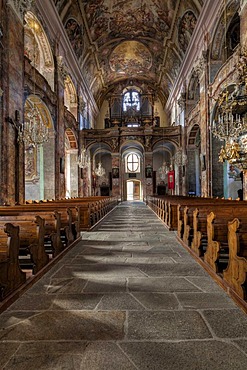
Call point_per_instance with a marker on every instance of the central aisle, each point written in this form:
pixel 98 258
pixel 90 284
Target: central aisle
pixel 127 297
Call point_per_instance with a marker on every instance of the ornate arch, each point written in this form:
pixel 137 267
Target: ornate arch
pixel 70 96
pixel 70 139
pixel 37 48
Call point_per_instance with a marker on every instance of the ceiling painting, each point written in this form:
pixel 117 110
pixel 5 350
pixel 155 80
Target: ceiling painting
pixel 141 40
pixel 130 18
pixel 75 34
pixel 185 29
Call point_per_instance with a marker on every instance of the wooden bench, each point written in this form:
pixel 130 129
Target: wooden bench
pixel 11 275
pixel 217 252
pixel 194 221
pixel 236 272
pixel 54 244
pixel 90 210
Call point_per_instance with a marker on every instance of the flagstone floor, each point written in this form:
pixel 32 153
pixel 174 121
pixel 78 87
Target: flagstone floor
pixel 126 297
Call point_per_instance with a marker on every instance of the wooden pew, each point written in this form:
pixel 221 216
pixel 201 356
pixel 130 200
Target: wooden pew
pixel 217 243
pixel 236 272
pixel 52 223
pixel 11 275
pixel 217 253
pixel 89 209
pixel 202 229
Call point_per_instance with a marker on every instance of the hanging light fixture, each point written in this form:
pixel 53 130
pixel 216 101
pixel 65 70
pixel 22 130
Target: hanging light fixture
pixel 99 169
pixel 83 160
pixel 163 171
pixel 231 119
pixel 33 132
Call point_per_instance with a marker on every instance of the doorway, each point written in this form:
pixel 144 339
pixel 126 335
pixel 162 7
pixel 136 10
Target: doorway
pixel 133 190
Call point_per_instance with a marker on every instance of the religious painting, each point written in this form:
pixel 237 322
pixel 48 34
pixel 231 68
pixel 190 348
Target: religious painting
pixel 75 34
pixel 115 172
pixel 149 172
pixel 185 29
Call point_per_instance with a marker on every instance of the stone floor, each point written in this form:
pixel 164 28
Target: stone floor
pixel 127 297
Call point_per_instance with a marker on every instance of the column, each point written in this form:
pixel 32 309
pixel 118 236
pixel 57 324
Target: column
pixel 60 129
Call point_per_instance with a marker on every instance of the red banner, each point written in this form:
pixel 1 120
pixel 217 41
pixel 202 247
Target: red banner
pixel 171 180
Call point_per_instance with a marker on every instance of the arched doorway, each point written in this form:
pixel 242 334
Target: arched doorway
pixel 132 171
pixel 195 161
pixel 133 190
pixel 163 162
pixel 71 166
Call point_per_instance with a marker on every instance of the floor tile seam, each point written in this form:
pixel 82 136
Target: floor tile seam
pixel 187 279
pixel 120 341
pixel 232 342
pixel 97 305
pixel 180 307
pixel 111 310
pixel 127 356
pixel 13 355
pixel 126 324
pixel 137 300
pixel 207 323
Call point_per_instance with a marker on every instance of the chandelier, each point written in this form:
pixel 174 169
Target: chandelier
pixel 230 123
pixel 33 132
pixel 83 160
pixel 163 170
pixel 99 170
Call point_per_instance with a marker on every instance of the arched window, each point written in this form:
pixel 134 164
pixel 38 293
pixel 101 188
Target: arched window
pixel 132 163
pixel 131 100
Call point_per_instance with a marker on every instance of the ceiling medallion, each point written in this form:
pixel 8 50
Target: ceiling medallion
pixel 130 57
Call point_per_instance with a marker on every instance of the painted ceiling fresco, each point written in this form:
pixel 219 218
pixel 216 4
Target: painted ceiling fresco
pixel 130 39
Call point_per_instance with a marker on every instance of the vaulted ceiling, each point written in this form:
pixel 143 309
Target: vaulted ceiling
pixel 140 42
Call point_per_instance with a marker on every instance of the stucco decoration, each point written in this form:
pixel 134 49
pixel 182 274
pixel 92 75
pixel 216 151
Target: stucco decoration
pixel 62 68
pixel 130 57
pixel 70 96
pixel 185 29
pixel 20 7
pixel 75 34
